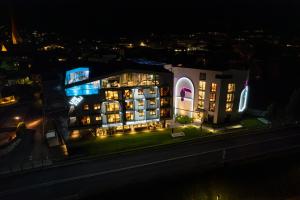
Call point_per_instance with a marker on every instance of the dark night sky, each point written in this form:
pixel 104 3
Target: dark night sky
pixel 94 16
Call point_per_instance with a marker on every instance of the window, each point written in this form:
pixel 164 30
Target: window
pixel 201 104
pixel 128 94
pixel 201 95
pixel 152 91
pixel 165 112
pixel 111 95
pixel 229 107
pixel 113 118
pixel 98 118
pixel 164 102
pixel 202 85
pixel 152 112
pixel 202 76
pixel 85 107
pixel 140 102
pixel 129 105
pixel 129 116
pixel 86 120
pixel 229 97
pixel 140 91
pixel 212 106
pixel 97 106
pixel 212 97
pixel 164 91
pixel 213 87
pixel 141 113
pixel 152 102
pixel 112 107
pixel 231 87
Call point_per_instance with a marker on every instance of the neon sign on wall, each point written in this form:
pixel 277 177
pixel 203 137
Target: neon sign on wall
pixel 183 91
pixel 75 100
pixel 184 97
pixel 244 98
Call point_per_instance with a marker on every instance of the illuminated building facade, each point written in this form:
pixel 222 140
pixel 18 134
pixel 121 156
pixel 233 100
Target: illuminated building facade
pixel 214 95
pixel 110 99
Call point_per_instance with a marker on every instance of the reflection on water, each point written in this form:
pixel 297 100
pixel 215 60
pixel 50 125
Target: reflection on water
pixel 271 179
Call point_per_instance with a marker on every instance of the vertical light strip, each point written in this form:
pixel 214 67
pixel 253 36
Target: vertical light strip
pixel 244 99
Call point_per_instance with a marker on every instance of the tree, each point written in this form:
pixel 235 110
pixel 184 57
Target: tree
pixel 293 107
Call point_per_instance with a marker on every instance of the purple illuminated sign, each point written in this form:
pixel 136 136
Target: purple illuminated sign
pixel 183 91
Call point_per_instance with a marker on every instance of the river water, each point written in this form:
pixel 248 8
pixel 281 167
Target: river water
pixel 261 180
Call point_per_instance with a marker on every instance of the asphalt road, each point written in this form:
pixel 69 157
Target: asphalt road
pixel 84 178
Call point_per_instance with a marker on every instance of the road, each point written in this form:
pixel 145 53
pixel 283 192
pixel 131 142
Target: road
pixel 87 177
pixel 32 147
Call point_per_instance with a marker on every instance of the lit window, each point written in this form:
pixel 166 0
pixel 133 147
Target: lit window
pixel 212 106
pixel 113 118
pixel 129 105
pixel 231 87
pixel 129 116
pixel 165 112
pixel 202 85
pixel 229 107
pixel 152 112
pixel 212 97
pixel 152 101
pixel 112 107
pixel 229 97
pixel 111 95
pixel 85 107
pixel 201 95
pixel 164 102
pixel 152 91
pixel 128 94
pixel 201 104
pixel 140 102
pixel 164 91
pixel 213 87
pixel 98 118
pixel 141 113
pixel 86 120
pixel 140 91
pixel 97 106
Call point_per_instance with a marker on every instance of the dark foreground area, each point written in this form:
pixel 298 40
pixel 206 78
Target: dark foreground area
pixel 272 178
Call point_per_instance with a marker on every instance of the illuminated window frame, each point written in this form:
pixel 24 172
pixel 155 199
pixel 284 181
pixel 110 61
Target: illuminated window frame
pixel 177 96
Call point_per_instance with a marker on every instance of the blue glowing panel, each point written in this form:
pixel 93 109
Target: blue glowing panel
pixel 244 99
pixel 84 89
pixel 76 75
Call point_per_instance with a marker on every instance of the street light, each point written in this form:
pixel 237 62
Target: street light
pixel 17 118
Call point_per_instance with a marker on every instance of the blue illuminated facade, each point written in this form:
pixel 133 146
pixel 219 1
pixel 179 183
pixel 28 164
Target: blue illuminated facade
pixel 84 89
pixel 76 75
pixel 124 102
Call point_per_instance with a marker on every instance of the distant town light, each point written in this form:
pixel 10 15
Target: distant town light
pixel 3 48
pixel 142 44
pixel 17 117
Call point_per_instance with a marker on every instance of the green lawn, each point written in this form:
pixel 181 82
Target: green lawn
pixel 102 146
pixel 252 123
pixel 117 143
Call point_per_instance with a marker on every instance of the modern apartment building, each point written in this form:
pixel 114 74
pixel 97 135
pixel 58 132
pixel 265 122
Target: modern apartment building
pixel 122 97
pixel 214 95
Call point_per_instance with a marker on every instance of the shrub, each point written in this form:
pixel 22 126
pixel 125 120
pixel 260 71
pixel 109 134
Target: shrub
pixel 183 119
